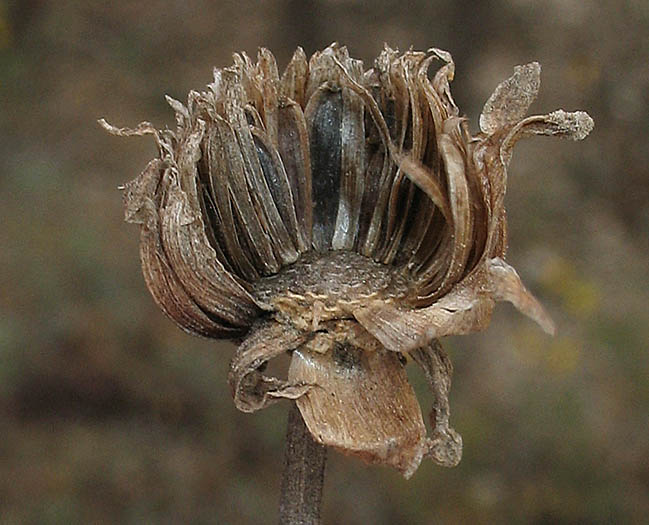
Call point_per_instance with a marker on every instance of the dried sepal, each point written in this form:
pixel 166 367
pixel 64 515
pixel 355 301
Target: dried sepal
pixel 444 447
pixel 361 404
pixel 401 330
pixel 251 389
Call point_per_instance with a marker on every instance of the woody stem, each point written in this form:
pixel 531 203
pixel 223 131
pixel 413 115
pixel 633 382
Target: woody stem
pixel 303 477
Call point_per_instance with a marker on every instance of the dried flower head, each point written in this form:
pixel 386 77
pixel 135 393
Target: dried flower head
pixel 346 216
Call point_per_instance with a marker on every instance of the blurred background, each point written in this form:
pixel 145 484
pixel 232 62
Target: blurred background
pixel 110 414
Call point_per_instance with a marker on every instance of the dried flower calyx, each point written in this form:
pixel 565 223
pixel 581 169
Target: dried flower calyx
pixel 343 215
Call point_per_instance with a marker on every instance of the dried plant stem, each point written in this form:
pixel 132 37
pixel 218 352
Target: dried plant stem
pixel 303 477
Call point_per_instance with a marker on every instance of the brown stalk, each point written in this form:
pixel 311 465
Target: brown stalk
pixel 303 476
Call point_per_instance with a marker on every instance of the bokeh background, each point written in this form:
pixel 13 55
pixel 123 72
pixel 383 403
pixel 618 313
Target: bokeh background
pixel 110 414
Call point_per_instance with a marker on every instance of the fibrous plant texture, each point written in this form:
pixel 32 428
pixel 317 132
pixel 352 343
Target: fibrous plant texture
pixel 345 216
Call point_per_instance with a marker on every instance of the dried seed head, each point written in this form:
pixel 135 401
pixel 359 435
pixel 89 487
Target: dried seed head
pixel 346 216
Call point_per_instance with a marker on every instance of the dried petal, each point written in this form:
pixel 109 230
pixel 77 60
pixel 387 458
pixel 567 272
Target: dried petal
pixel 265 207
pixel 324 118
pixel 507 286
pixel 279 185
pixel 509 103
pixel 352 171
pixel 459 198
pixel 189 252
pixel 140 195
pixel 268 77
pixel 171 297
pixel 418 174
pixel 293 147
pixel 252 231
pixel 219 194
pixel 294 78
pixel 576 126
